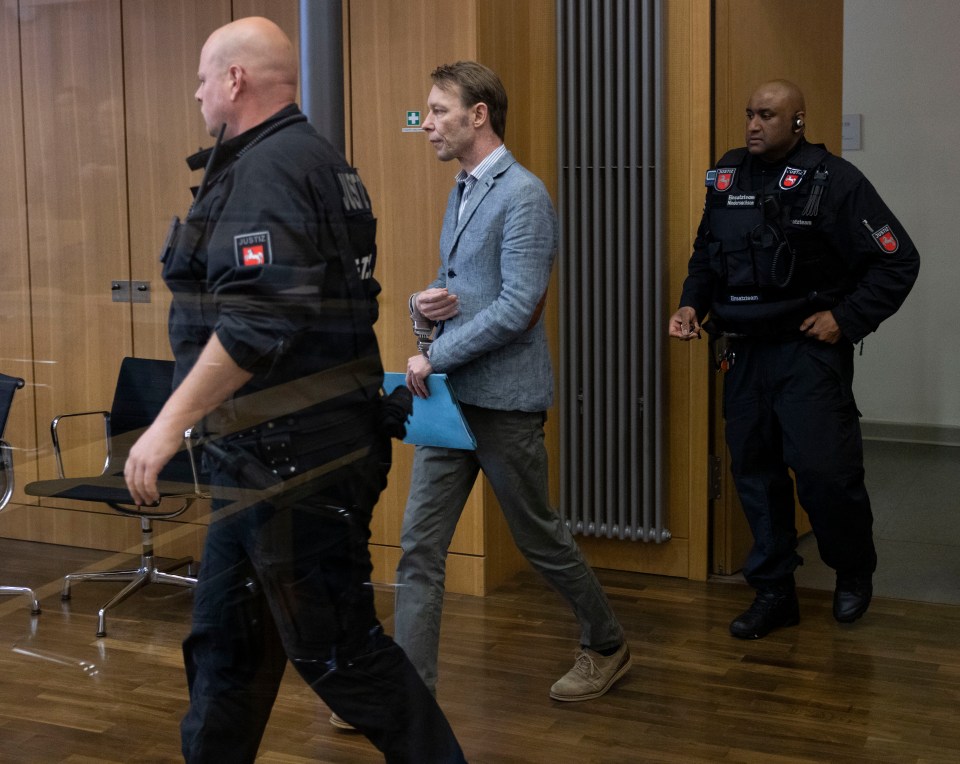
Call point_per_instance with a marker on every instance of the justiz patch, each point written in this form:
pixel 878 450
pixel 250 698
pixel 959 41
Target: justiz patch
pixel 252 249
pixel 886 240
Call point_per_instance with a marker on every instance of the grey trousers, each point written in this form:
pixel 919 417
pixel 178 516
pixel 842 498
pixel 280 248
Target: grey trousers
pixel 511 453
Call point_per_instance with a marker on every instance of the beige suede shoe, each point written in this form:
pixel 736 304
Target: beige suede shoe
pixel 592 675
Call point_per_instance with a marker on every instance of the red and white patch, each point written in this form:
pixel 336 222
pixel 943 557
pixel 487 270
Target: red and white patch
pixel 253 249
pixel 886 240
pixel 724 178
pixel 253 255
pixel 791 177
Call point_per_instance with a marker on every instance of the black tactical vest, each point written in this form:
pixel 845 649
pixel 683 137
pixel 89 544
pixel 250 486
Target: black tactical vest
pixel 764 243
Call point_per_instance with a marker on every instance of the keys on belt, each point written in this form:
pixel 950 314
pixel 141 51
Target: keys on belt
pixel 726 357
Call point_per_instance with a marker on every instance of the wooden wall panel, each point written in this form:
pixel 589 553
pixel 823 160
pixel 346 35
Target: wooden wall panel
pixel 15 330
pixel 161 43
pixel 284 13
pixel 151 124
pixel 157 44
pixel 518 41
pixel 76 197
pixel 687 131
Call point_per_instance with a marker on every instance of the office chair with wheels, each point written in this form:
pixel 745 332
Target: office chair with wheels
pixel 143 386
pixel 8 386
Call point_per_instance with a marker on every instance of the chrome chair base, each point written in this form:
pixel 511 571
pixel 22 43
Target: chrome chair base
pixel 34 602
pixel 147 573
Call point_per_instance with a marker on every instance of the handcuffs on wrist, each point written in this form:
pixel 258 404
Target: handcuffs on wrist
pixel 422 327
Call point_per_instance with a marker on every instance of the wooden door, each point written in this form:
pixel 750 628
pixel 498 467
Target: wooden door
pixel 755 41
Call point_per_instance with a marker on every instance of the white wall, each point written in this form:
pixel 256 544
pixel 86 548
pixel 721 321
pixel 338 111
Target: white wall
pixel 901 71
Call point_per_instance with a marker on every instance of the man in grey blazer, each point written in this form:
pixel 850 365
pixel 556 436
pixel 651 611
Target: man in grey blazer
pixel 497 246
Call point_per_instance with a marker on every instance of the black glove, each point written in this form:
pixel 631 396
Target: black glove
pixel 396 408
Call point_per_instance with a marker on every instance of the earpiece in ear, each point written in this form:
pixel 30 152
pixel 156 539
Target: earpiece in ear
pixel 797 123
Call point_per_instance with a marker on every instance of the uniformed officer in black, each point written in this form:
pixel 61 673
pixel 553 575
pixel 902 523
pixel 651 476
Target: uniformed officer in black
pixel 797 258
pixel 271 326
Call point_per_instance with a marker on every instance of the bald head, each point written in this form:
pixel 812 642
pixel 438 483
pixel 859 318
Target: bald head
pixel 248 72
pixel 775 119
pixel 784 91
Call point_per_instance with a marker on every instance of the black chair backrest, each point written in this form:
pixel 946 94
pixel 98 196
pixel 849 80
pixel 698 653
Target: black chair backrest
pixel 143 386
pixel 8 386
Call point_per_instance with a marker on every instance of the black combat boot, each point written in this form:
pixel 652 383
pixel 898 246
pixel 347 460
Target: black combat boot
pixel 852 596
pixel 773 608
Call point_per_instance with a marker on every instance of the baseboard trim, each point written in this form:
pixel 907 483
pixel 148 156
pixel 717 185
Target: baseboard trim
pixel 939 435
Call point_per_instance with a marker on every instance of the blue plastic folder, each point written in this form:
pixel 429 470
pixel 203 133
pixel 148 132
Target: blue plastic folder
pixel 437 420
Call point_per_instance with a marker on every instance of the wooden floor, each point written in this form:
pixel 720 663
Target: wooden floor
pixel 886 689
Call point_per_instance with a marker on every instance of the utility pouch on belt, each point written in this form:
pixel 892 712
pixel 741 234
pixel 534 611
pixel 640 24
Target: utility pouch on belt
pixel 244 468
pixel 276 449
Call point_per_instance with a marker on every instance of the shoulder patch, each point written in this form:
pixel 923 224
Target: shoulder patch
pixel 886 239
pixel 252 249
pixel 724 178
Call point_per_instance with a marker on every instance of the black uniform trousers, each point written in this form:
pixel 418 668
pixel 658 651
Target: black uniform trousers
pixel 285 576
pixel 789 403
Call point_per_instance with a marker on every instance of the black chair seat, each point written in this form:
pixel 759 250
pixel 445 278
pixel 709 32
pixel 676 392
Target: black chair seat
pixel 143 386
pixel 108 489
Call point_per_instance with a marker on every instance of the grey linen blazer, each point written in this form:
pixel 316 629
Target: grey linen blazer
pixel 497 260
